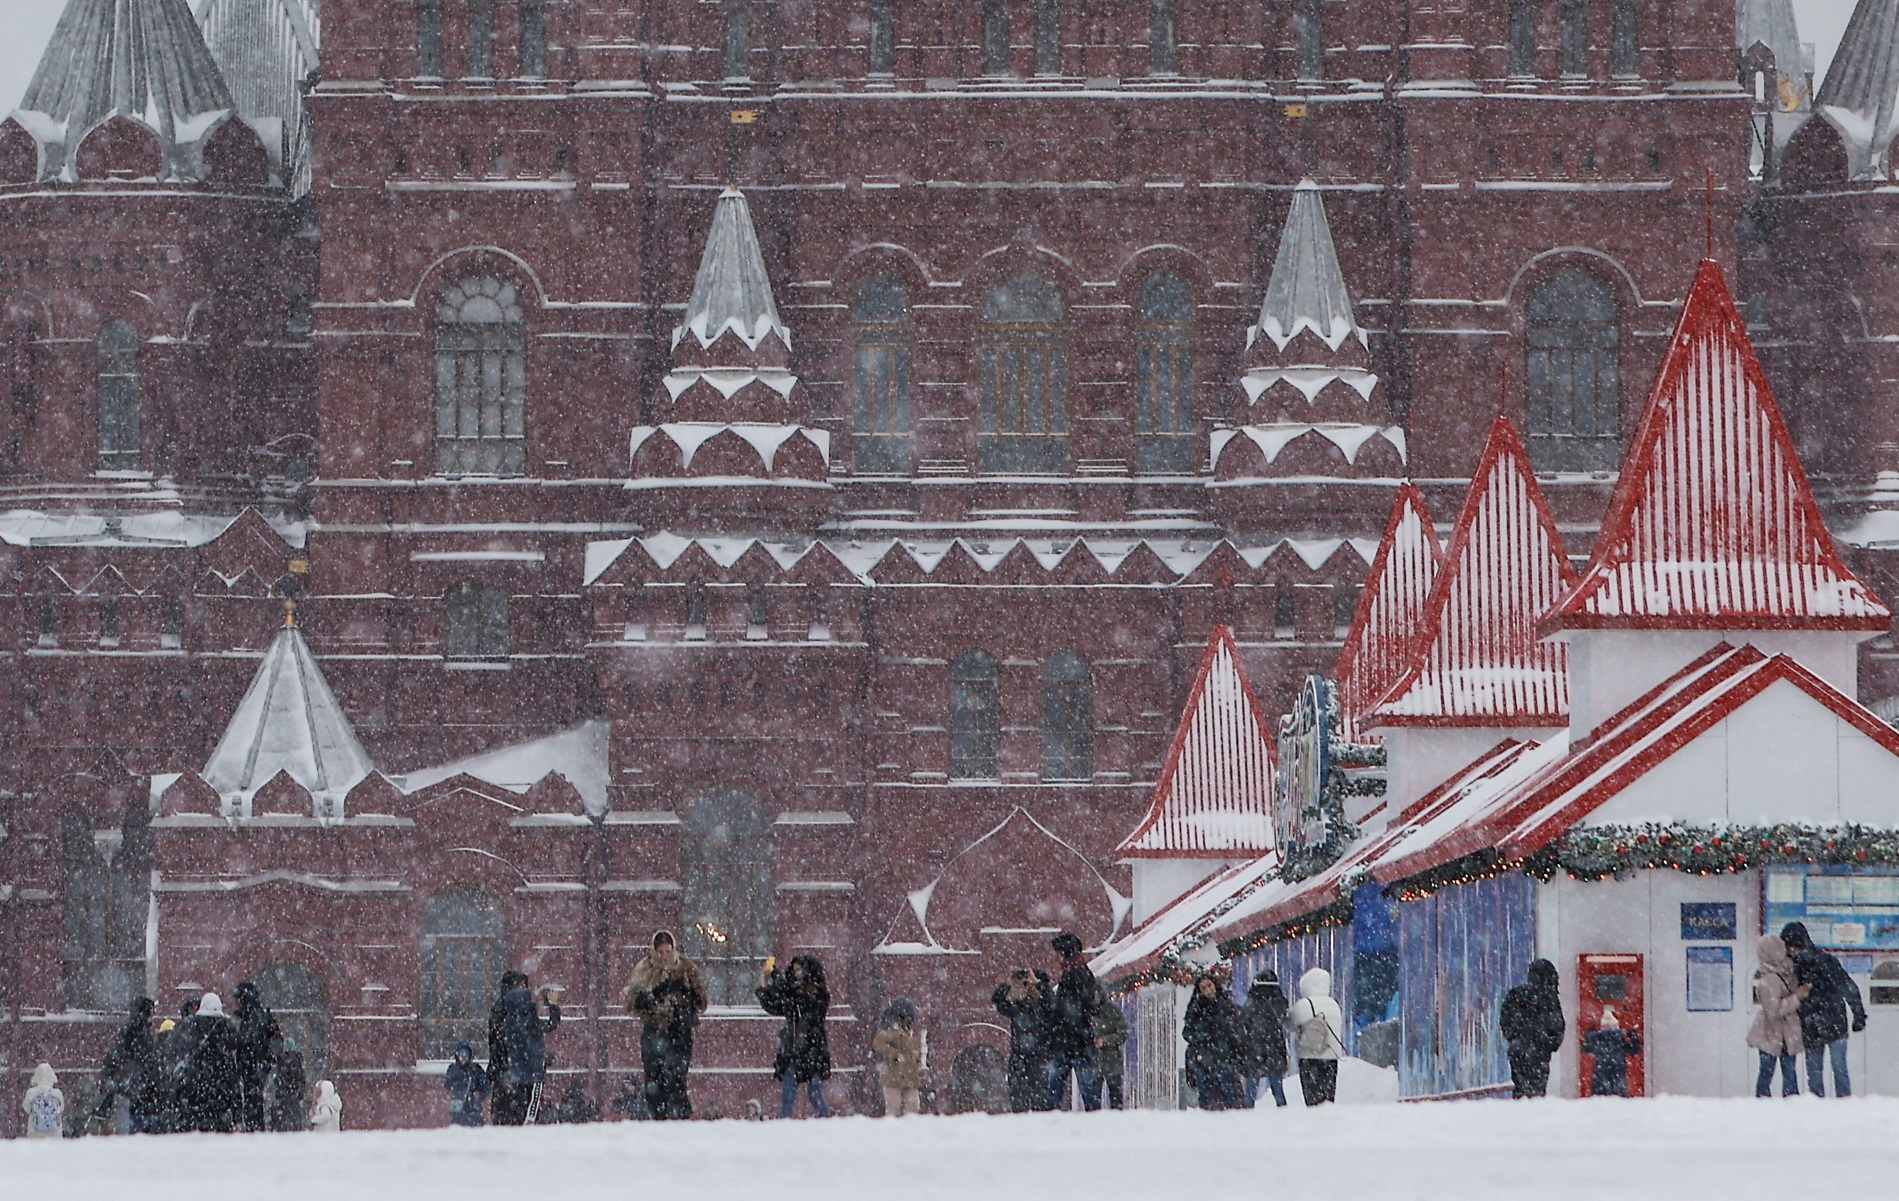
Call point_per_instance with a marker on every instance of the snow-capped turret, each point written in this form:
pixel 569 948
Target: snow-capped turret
pixel 289 722
pixel 1383 639
pixel 1770 25
pixel 142 61
pixel 267 50
pixel 1860 96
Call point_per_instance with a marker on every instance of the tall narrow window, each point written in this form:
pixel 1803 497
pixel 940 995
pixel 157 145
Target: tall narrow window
pixel 1523 37
pixel 1068 718
pixel 119 397
pixel 481 39
pixel 995 37
pixel 1627 41
pixel 1048 38
pixel 1575 18
pixel 883 37
pixel 109 621
pixel 464 945
pixel 1163 366
pixel 1163 39
pixel 880 329
pixel 738 39
pixel 480 380
pixel 428 39
pixel 1308 29
pixel 727 893
pixel 533 38
pixel 477 622
pixel 106 899
pixel 1022 390
pixel 1573 375
pixel 975 718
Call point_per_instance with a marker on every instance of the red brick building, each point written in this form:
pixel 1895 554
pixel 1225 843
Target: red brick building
pixel 770 469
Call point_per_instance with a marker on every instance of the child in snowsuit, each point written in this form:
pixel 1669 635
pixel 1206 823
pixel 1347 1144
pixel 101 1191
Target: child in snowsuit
pixel 467 1085
pixel 326 1116
pixel 45 1105
pixel 1609 1046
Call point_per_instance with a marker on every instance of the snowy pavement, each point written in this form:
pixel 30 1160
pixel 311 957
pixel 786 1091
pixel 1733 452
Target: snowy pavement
pixel 1473 1151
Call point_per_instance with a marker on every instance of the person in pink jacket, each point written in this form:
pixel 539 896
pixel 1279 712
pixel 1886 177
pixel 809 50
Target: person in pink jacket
pixel 1775 1032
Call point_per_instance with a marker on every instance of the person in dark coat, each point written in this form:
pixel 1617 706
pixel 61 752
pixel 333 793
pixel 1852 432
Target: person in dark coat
pixel 1072 1026
pixel 798 995
pixel 575 1108
pixel 467 1085
pixel 204 1052
pixel 1211 1030
pixel 1533 1026
pixel 289 1100
pixel 1609 1048
pixel 1025 999
pixel 258 1041
pixel 1111 1040
pixel 132 1071
pixel 1823 1021
pixel 1263 1038
pixel 667 992
pixel 517 1042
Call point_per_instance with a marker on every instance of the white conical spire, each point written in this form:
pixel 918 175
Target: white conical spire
pixel 732 290
pixel 289 721
pixel 1770 23
pixel 1861 92
pixel 1307 289
pixel 143 59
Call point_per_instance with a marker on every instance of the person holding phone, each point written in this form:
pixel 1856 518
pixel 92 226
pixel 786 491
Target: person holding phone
pixel 517 1047
pixel 798 995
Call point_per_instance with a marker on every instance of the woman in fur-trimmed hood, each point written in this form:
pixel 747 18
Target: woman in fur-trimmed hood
pixel 667 992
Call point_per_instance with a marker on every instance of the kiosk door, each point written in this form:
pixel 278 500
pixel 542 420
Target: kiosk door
pixel 1610 982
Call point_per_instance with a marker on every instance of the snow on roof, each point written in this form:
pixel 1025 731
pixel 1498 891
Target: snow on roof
pixel 732 290
pixel 1861 90
pixel 1214 797
pixel 165 528
pixel 1712 524
pixel 578 753
pixel 1479 661
pixel 1307 289
pixel 144 59
pixel 267 50
pixel 1274 437
pixel 289 721
pixel 765 438
pixel 1182 920
pixel 1391 609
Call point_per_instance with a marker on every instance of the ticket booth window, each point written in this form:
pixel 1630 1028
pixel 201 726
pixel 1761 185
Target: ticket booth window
pixel 1605 982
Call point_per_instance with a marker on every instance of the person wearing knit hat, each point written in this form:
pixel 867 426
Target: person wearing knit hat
pixel 667 992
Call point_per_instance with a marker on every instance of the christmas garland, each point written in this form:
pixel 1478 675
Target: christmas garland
pixel 1598 852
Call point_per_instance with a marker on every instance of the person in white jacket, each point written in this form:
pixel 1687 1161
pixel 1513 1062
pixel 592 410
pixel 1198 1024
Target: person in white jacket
pixel 45 1105
pixel 1317 1021
pixel 326 1112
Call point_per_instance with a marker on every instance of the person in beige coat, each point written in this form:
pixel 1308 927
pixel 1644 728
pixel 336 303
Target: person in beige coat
pixel 1775 1032
pixel 899 1062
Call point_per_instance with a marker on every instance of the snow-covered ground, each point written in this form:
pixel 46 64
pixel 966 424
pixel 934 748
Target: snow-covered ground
pixel 1473 1151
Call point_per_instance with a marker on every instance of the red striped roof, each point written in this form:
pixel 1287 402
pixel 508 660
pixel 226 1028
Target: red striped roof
pixel 1479 661
pixel 1214 799
pixel 1384 634
pixel 1713 524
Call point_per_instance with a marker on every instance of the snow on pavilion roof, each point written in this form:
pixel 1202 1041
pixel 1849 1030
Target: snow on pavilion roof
pixel 267 51
pixel 289 721
pixel 144 59
pixel 1861 90
pixel 1214 797
pixel 1479 661
pixel 732 290
pixel 1384 634
pixel 1307 289
pixel 1713 525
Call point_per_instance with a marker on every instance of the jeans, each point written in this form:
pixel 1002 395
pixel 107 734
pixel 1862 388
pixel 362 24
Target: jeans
pixel 1789 1079
pixel 1816 1069
pixel 788 1096
pixel 1084 1068
pixel 1275 1083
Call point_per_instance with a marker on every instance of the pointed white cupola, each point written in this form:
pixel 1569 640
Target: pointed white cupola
pixel 1860 97
pixel 289 723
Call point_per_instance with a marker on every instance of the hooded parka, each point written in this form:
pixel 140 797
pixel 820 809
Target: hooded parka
pixel 1775 1029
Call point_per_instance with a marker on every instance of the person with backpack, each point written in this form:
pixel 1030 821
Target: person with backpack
pixel 131 1071
pixel 1532 1024
pixel 259 1039
pixel 517 1047
pixel 1823 1020
pixel 1263 1038
pixel 44 1104
pixel 1072 1026
pixel 899 1062
pixel 204 1053
pixel 326 1114
pixel 1316 1022
pixel 467 1085
pixel 799 995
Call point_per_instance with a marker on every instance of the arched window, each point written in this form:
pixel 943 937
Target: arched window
pixel 464 951
pixel 1068 718
pixel 428 39
pixel 1626 42
pixel 1523 37
pixel 737 44
pixel 533 38
pixel 1022 362
pixel 883 37
pixel 481 39
pixel 1048 38
pixel 480 380
pixel 728 892
pixel 995 37
pixel 296 997
pixel 1574 375
pixel 880 330
pixel 1575 18
pixel 1163 39
pixel 1308 28
pixel 1163 368
pixel 975 718
pixel 119 397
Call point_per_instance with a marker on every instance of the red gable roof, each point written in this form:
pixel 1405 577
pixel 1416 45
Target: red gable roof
pixel 1384 634
pixel 1214 797
pixel 1713 524
pixel 1479 662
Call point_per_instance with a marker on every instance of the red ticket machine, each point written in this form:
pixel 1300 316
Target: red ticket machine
pixel 1611 982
